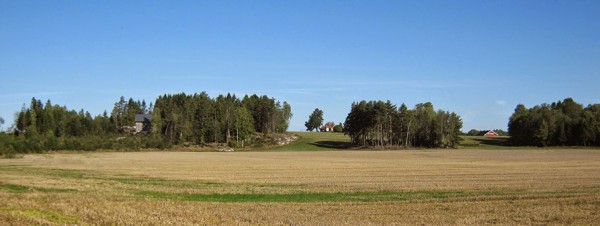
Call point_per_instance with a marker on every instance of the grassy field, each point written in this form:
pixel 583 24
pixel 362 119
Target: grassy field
pixel 315 141
pixel 316 180
pixel 489 143
pixel 307 187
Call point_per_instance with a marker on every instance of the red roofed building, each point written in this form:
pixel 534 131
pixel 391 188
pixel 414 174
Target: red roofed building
pixel 490 133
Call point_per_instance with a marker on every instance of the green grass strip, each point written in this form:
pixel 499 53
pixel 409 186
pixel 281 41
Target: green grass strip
pixel 15 188
pixel 302 197
pixel 378 196
pixel 22 189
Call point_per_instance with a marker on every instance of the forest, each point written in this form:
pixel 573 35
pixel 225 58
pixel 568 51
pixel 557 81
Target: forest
pixel 381 124
pixel 178 119
pixel 562 123
pixel 199 119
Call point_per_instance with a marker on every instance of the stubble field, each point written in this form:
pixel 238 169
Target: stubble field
pixel 304 188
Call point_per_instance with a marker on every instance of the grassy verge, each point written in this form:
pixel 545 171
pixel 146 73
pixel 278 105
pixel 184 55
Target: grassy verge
pixel 480 142
pixel 315 141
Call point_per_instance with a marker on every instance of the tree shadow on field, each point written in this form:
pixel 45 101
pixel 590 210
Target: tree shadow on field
pixel 495 141
pixel 333 144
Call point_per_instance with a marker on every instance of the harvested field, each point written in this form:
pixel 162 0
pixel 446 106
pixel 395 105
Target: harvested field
pixel 540 186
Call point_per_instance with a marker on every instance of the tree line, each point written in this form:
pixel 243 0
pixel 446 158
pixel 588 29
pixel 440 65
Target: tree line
pixel 176 119
pixel 199 119
pixel 562 123
pixel 380 124
pixel 42 127
pixel 58 121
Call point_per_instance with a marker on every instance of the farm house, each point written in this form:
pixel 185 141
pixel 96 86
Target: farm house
pixel 490 133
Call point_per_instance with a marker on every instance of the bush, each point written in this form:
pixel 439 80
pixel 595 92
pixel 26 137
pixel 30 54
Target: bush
pixel 470 143
pixel 51 143
pixel 10 143
pixel 7 152
pixel 338 128
pixel 6 146
pixel 155 141
pixel 72 144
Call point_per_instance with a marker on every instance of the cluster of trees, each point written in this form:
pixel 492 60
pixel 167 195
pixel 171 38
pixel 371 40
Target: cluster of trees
pixel 58 121
pixel 557 124
pixel 42 127
pixel 176 119
pixel 380 124
pixel 199 119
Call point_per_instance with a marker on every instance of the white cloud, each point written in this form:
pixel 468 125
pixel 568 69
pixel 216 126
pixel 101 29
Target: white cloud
pixel 501 102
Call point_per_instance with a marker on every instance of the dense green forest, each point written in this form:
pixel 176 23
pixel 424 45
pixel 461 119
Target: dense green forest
pixel 42 127
pixel 379 124
pixel 176 119
pixel 562 123
pixel 199 119
pixel 58 121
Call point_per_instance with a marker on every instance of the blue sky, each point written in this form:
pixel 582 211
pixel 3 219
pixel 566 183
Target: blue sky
pixel 476 58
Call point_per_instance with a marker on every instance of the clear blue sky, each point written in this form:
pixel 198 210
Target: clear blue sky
pixel 476 58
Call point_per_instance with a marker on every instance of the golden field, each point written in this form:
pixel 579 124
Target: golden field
pixel 537 186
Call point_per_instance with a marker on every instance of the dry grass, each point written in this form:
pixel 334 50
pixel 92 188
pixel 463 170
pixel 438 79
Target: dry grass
pixel 257 188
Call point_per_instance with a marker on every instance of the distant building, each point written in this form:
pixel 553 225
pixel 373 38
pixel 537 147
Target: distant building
pixel 143 123
pixel 490 133
pixel 326 128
